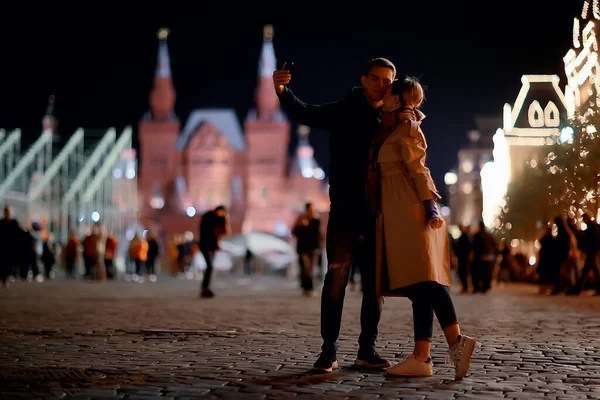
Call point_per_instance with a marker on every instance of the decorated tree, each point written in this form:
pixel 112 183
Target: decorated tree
pixel 566 180
pixel 528 204
pixel 574 165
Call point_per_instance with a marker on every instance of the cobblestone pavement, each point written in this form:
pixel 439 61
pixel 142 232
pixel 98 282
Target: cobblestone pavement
pixel 258 339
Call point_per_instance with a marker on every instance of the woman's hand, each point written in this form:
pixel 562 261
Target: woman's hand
pixel 436 223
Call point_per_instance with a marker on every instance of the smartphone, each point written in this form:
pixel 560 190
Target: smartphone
pixel 289 65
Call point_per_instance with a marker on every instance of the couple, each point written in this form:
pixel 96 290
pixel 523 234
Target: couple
pixel 383 216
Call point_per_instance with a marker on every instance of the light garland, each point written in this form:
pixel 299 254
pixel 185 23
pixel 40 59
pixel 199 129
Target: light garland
pixel 576 41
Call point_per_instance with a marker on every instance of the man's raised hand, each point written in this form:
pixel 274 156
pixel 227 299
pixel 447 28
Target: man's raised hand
pixel 281 77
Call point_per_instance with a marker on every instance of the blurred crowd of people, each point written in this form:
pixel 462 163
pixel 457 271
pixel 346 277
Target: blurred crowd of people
pixel 566 260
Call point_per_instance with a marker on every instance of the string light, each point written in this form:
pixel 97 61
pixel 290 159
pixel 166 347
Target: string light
pixel 576 28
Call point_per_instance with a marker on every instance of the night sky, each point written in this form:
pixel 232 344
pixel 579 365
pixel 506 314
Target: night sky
pixel 100 63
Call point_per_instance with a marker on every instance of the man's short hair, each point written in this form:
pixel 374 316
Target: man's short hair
pixel 307 205
pixel 220 208
pixel 379 62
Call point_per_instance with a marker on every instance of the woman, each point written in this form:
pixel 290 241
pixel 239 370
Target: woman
pixel 413 254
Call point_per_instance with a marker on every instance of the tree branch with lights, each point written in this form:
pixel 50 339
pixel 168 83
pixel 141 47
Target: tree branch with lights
pixel 574 165
pixel 527 204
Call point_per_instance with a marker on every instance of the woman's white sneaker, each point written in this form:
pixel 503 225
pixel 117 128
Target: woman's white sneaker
pixel 460 355
pixel 410 366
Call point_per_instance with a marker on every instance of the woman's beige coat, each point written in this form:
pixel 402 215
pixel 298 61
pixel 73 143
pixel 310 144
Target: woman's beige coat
pixel 407 246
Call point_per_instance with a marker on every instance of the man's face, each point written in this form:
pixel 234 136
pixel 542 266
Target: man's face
pixel 377 82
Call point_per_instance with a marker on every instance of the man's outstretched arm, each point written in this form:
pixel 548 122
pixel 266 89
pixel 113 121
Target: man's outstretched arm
pixel 313 115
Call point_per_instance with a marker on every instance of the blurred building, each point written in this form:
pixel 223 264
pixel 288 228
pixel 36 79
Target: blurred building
pixel 215 160
pixel 68 183
pixel 464 182
pixel 538 116
pixel 500 149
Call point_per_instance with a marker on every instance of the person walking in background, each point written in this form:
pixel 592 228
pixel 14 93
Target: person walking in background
pixel 138 252
pixel 213 226
pixel 11 238
pixel 89 254
pixel 564 246
pixel 153 252
pixel 110 252
pixel 485 252
pixel 308 243
pixel 462 249
pixel 412 247
pixel 590 246
pixel 48 258
pixel 546 258
pixel 70 254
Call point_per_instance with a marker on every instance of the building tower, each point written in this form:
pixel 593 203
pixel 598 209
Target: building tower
pixel 49 120
pixel 158 132
pixel 267 134
pixel 306 178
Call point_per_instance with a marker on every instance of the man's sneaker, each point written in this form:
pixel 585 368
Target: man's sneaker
pixel 326 363
pixel 372 361
pixel 460 355
pixel 207 294
pixel 410 366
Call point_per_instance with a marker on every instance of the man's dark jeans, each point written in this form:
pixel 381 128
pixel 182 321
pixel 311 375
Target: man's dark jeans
pixel 209 256
pixel 345 246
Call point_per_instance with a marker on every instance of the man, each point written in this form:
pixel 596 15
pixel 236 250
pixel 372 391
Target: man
pixel 12 246
pixel 308 242
pixel 213 226
pixel 352 122
pixel 485 252
pixel 462 249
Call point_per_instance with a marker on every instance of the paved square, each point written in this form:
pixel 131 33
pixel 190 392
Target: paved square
pixel 258 338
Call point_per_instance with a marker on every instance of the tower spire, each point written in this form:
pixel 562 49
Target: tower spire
pixel 50 108
pixel 267 53
pixel 265 97
pixel 49 121
pixel 163 67
pixel 162 98
pixel 305 162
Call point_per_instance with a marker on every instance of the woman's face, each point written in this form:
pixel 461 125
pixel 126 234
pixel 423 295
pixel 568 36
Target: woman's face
pixel 390 102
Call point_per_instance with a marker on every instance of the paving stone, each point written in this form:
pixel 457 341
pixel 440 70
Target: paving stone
pixel 162 341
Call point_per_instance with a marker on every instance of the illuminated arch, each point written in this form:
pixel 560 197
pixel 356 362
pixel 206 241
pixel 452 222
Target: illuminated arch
pixel 551 115
pixel 535 115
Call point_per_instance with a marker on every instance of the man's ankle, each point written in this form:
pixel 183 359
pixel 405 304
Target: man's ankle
pixel 421 357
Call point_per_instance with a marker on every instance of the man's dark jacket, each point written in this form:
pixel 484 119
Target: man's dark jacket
pixel 352 123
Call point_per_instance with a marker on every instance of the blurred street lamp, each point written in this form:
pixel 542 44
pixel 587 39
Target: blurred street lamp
pixel 450 178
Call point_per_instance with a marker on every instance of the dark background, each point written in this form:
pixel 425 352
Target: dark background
pixel 100 61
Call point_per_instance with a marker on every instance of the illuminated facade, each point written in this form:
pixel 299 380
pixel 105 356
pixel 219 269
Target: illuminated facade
pixel 216 160
pixel 581 61
pixel 534 121
pixel 541 111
